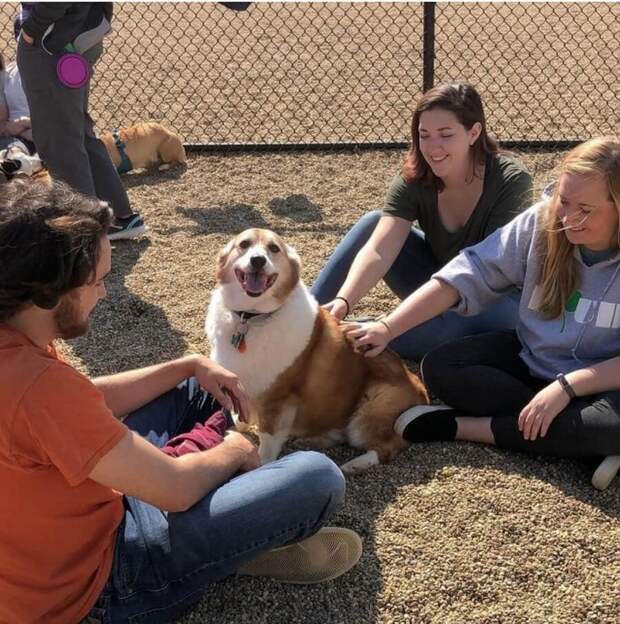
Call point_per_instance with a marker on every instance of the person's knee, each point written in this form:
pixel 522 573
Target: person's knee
pixel 433 370
pixel 322 478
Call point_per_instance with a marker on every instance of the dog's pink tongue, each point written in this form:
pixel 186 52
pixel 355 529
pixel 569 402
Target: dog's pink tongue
pixel 255 282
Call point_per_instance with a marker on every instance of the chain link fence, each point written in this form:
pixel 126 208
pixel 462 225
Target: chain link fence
pixel 334 74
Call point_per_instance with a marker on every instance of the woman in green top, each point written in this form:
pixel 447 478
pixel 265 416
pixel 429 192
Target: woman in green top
pixel 459 188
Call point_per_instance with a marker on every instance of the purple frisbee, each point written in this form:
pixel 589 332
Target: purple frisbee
pixel 73 70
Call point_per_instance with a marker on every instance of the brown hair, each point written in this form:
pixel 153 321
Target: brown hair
pixel 464 101
pixel 559 276
pixel 49 243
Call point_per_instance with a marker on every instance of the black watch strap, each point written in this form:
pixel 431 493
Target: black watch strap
pixel 567 387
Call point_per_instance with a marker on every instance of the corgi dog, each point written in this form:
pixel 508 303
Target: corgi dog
pixel 302 375
pixel 144 145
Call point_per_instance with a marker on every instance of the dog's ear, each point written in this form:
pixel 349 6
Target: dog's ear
pixel 222 258
pixel 293 256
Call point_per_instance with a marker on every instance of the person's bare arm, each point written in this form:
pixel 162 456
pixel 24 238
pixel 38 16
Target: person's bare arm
pixel 137 468
pixel 130 390
pixel 372 262
pixel 425 303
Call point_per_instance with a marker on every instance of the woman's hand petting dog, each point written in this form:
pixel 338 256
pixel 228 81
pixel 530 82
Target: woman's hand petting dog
pixel 223 385
pixel 368 338
pixel 337 308
pixel 539 413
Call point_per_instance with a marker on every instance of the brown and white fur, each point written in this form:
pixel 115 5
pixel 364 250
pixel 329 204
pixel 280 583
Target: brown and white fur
pixel 303 376
pixel 147 144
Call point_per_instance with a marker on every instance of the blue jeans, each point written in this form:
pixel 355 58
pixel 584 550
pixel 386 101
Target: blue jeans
pixel 413 267
pixel 164 561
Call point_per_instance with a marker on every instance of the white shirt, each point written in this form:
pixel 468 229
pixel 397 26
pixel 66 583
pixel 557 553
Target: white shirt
pixel 14 94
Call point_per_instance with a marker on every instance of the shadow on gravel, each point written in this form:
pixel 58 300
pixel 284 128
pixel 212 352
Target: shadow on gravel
pixel 126 331
pixel 234 218
pixel 152 176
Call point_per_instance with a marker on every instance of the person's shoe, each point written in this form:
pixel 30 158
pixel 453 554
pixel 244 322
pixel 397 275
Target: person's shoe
pixel 327 554
pixel 420 424
pixel 606 472
pixel 126 228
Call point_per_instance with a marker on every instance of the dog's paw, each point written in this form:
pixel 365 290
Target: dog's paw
pixel 360 464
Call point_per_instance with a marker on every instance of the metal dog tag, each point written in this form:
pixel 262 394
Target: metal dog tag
pixel 238 338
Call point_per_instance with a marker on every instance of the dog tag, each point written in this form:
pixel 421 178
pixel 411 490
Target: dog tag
pixel 238 338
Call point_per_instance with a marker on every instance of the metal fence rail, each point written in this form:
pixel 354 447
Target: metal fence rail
pixel 333 74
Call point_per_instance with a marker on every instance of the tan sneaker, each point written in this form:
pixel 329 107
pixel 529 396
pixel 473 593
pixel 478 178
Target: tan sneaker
pixel 606 472
pixel 327 554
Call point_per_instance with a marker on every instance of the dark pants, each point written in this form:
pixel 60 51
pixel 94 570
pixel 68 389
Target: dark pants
pixel 484 376
pixel 63 131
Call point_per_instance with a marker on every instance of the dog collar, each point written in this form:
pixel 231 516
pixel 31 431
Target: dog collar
pixel 237 340
pixel 126 164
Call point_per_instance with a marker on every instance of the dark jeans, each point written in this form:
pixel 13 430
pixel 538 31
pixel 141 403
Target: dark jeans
pixel 484 376
pixel 413 267
pixel 164 561
pixel 63 131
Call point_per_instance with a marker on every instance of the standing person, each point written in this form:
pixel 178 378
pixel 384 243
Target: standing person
pixel 459 188
pixel 95 519
pixel 62 129
pixel 553 385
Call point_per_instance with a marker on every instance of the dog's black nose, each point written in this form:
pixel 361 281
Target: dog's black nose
pixel 258 262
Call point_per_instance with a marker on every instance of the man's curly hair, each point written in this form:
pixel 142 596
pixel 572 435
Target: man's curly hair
pixel 49 243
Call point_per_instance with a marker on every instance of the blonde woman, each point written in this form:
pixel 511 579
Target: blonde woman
pixel 553 385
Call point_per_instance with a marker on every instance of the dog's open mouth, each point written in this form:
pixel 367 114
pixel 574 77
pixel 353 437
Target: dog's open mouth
pixel 255 283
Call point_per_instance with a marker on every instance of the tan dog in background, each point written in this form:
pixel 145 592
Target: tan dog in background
pixel 304 378
pixel 147 144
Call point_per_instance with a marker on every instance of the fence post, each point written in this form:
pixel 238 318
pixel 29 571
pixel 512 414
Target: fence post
pixel 428 50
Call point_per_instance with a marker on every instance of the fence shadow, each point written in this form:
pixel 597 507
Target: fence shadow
pixel 126 331
pixel 355 595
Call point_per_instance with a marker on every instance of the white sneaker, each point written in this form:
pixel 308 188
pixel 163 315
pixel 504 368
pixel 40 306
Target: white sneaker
pixel 327 554
pixel 606 472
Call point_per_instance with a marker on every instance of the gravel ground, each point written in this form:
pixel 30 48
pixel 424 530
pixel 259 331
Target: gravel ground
pixel 453 533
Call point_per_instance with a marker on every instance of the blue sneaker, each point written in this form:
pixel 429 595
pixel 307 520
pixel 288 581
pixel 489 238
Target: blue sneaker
pixel 126 228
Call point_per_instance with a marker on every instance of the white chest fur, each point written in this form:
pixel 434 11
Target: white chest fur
pixel 273 342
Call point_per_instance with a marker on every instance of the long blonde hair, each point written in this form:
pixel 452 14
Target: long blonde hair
pixel 559 276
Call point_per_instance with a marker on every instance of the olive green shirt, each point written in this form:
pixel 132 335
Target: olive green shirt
pixel 506 191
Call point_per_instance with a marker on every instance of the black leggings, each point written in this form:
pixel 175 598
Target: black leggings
pixel 483 375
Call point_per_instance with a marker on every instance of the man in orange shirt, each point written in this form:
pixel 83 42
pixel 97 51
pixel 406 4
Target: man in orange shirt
pixel 96 520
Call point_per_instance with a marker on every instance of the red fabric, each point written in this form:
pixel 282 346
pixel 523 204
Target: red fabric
pixel 200 438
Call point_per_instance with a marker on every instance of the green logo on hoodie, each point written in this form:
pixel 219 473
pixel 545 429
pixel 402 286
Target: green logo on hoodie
pixel 571 306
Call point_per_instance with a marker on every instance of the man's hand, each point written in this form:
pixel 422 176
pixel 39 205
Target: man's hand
pixel 371 338
pixel 27 38
pixel 223 385
pixel 240 443
pixel 539 413
pixel 337 308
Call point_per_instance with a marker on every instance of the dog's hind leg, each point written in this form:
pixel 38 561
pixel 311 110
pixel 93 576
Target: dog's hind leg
pixel 270 444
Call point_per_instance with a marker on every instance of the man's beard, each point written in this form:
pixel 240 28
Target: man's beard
pixel 68 322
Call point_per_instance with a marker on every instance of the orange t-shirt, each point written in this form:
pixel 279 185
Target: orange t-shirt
pixel 57 526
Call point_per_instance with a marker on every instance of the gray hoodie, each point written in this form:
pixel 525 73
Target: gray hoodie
pixel 586 333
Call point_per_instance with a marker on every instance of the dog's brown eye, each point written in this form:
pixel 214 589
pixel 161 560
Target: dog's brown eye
pixel 244 244
pixel 273 248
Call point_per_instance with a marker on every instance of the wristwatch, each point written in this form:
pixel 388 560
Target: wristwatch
pixel 566 386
